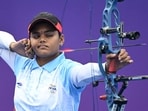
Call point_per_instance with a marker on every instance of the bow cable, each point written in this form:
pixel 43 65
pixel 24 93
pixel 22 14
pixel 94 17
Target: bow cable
pixel 94 83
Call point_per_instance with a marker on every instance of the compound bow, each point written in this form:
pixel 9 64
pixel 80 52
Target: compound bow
pixel 115 101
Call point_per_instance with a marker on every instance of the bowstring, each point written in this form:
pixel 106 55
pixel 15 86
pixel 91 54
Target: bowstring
pixel 94 83
pixel 64 10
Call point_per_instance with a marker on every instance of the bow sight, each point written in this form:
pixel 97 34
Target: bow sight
pixel 123 35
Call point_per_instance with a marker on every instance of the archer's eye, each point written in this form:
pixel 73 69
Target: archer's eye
pixel 49 33
pixel 35 35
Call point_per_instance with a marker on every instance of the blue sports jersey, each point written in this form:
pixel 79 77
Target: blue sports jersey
pixel 55 86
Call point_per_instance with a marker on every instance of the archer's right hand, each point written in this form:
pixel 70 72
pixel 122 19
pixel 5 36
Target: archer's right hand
pixel 22 47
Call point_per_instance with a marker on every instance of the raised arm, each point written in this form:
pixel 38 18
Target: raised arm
pixel 5 40
pixel 84 74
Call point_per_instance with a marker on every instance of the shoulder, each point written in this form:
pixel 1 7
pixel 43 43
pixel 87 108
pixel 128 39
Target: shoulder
pixel 22 62
pixel 70 63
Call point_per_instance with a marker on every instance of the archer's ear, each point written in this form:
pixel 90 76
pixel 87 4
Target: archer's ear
pixel 62 39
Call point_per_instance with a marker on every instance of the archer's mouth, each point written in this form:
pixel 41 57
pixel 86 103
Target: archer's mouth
pixel 42 46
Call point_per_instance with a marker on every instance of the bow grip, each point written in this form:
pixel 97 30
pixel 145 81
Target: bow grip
pixel 112 68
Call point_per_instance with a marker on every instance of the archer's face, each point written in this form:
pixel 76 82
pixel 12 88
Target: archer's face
pixel 45 40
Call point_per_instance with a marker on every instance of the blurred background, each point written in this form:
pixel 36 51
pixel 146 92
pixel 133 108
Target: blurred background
pixel 82 20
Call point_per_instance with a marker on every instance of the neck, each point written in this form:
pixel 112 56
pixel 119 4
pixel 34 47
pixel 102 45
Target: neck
pixel 43 60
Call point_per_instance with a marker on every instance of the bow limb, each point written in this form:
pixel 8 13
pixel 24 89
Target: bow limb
pixel 105 47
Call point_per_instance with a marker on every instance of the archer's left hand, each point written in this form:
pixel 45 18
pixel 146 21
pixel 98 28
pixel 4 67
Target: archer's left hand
pixel 119 60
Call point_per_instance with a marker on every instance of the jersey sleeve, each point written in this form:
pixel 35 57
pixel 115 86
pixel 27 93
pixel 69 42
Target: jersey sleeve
pixel 85 74
pixel 5 53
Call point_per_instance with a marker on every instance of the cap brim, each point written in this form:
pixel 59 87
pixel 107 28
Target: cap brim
pixel 31 26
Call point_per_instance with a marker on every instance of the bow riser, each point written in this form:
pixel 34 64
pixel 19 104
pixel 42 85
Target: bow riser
pixel 105 47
